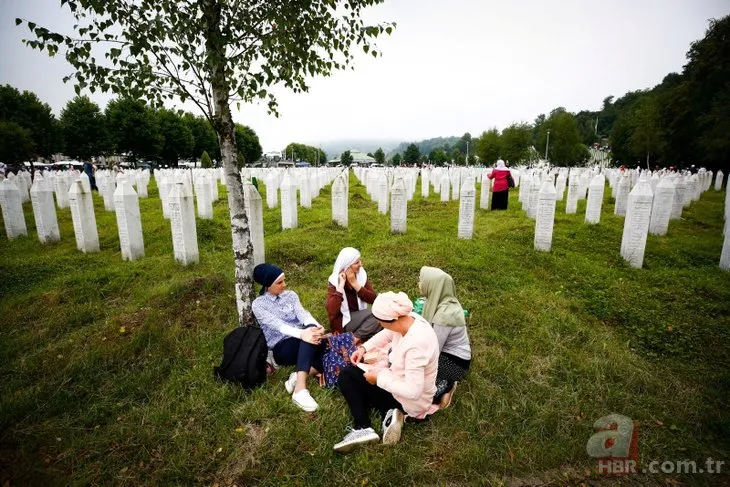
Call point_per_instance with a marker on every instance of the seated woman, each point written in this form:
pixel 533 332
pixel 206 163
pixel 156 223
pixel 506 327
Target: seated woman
pixel 404 381
pixel 348 294
pixel 445 313
pixel 291 332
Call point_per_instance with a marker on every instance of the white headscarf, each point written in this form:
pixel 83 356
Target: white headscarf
pixel 501 166
pixel 345 259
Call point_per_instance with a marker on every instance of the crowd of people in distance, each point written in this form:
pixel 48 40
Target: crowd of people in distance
pixel 406 365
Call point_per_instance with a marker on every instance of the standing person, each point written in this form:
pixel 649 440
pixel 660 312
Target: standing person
pixel 445 313
pixel 348 294
pixel 404 380
pixel 90 171
pixel 500 191
pixel 291 332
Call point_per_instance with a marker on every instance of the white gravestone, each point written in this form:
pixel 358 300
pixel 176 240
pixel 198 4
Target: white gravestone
pixel 182 221
pixel 486 187
pixel 165 187
pixel 466 209
pixel 534 194
pixel 455 184
pixel 203 197
pixel 571 206
pixel 425 182
pixel 12 209
pixel 272 188
pixel 718 180
pixel 545 217
pixel 444 190
pixel 289 215
pixel 595 198
pixel 305 194
pixel 560 186
pixel 725 256
pixel 255 214
pixel 636 225
pixel 129 221
pixel 680 187
pixel 44 211
pixel 398 207
pixel 622 195
pixel 60 184
pixel 142 181
pixel 340 203
pixel 662 207
pixel 383 194
pixel 108 187
pixel 84 218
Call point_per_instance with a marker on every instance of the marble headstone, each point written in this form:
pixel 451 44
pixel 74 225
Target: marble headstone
pixel 636 225
pixel 129 221
pixel 12 209
pixel 44 210
pixel 398 207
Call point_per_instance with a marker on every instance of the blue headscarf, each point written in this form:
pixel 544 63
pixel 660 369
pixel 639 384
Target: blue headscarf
pixel 266 275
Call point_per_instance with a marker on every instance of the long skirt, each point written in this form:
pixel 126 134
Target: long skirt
pixel 500 199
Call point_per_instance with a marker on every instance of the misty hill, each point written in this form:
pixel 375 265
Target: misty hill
pixel 334 148
pixel 425 146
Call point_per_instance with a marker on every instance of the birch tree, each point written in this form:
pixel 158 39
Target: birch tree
pixel 212 53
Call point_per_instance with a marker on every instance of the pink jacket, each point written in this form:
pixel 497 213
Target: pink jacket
pixel 411 377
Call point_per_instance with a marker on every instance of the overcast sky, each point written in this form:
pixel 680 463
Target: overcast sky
pixel 450 66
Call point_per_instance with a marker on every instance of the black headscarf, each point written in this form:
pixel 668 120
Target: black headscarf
pixel 266 275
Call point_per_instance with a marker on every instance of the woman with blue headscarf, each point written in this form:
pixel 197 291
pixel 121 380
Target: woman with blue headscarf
pixel 292 333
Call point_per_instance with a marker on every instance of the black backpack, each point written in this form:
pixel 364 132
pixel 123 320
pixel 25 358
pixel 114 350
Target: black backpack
pixel 244 357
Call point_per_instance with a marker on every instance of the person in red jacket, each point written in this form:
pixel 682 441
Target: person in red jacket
pixel 500 190
pixel 348 293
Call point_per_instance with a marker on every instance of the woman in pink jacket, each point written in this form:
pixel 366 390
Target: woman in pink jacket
pixel 500 190
pixel 402 380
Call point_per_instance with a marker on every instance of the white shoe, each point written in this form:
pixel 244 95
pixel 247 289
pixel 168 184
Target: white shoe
pixel 304 400
pixel 392 426
pixel 291 382
pixel 356 437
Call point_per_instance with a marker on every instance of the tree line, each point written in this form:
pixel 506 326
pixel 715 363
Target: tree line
pixel 30 131
pixel 680 122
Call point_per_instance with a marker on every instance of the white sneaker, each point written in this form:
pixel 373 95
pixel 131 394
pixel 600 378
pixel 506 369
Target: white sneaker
pixel 392 426
pixel 304 400
pixel 291 382
pixel 356 437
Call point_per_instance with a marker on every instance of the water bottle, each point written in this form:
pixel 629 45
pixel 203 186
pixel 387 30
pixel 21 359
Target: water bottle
pixel 418 305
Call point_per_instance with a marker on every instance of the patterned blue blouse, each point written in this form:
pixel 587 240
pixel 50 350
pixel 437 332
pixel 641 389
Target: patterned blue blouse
pixel 280 316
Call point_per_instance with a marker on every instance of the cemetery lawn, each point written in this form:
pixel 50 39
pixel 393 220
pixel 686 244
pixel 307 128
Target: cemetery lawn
pixel 106 365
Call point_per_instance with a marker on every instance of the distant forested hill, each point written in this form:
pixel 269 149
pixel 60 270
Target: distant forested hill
pixel 426 146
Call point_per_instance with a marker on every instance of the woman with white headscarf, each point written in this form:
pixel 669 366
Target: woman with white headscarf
pixel 348 294
pixel 500 190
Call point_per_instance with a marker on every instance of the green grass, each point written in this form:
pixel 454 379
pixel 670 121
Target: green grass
pixel 106 365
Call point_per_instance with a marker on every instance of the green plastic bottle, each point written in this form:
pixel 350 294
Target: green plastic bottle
pixel 418 305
